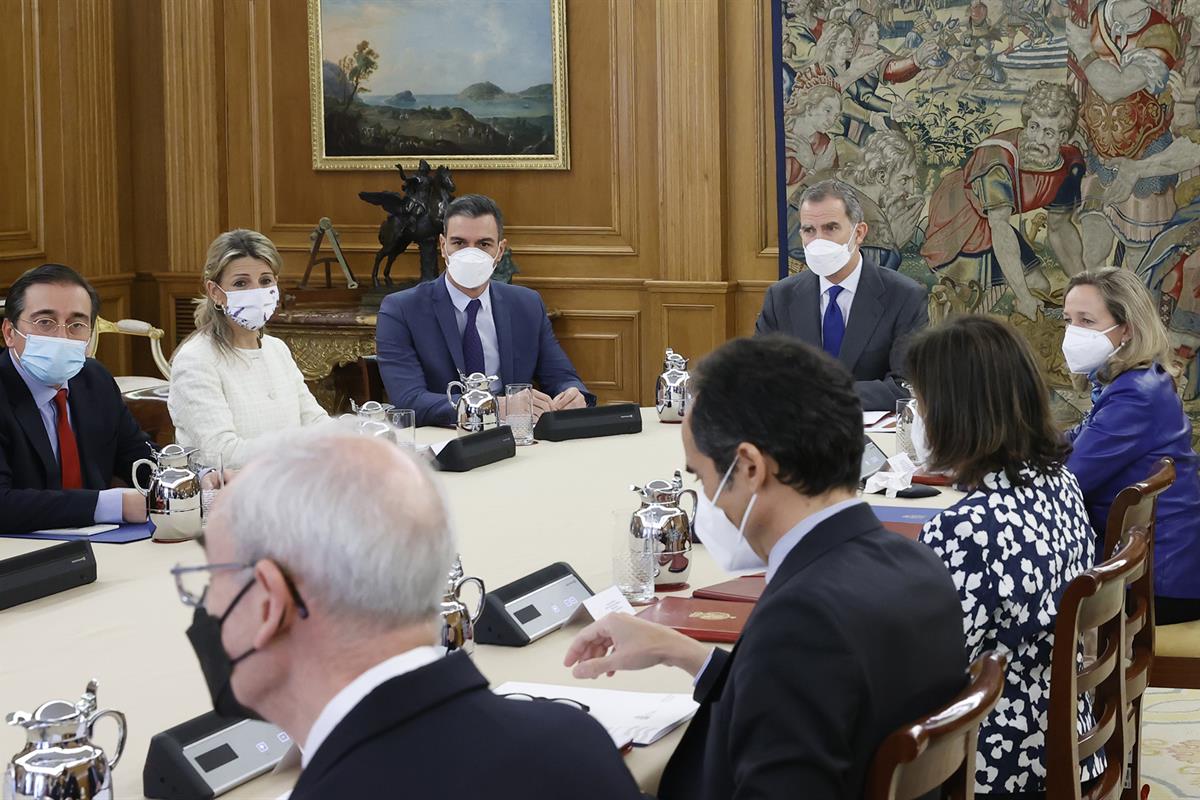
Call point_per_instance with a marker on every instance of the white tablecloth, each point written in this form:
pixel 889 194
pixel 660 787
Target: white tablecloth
pixel 552 502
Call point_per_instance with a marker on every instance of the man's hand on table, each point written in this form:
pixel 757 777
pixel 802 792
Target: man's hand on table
pixel 133 506
pixel 568 398
pixel 623 642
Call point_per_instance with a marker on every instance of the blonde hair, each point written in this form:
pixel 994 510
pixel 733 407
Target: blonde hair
pixel 1130 304
pixel 228 247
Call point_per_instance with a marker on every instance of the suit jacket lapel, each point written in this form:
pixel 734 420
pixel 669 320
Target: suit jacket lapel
pixel 806 309
pixel 503 321
pixel 443 309
pixel 392 704
pixel 865 311
pixel 29 419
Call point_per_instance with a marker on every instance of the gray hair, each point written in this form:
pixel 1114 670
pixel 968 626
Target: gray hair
pixel 835 188
pixel 359 524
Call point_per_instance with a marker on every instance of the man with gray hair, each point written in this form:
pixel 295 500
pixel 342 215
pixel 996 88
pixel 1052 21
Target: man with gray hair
pixel 843 302
pixel 319 612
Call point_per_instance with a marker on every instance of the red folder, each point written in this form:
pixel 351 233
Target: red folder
pixel 746 589
pixel 705 620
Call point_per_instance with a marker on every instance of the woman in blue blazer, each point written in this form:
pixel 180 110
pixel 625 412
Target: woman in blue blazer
pixel 1115 337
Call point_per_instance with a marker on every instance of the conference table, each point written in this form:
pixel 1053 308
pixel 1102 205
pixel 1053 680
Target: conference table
pixel 551 502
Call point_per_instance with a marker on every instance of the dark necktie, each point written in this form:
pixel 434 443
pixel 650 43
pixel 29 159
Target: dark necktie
pixel 68 451
pixel 833 327
pixel 472 344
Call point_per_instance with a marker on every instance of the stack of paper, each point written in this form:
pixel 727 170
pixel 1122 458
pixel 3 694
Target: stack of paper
pixel 640 718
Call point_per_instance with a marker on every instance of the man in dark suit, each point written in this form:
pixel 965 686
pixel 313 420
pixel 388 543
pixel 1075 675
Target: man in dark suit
pixel 463 323
pixel 843 302
pixel 333 638
pixel 859 630
pixel 65 432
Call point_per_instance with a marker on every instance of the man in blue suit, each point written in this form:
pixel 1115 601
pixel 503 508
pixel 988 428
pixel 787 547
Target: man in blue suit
pixel 463 323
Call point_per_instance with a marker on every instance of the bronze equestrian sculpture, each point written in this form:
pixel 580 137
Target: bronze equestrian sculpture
pixel 416 216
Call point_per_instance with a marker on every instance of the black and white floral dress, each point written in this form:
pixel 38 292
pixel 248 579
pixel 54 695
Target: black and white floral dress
pixel 1012 550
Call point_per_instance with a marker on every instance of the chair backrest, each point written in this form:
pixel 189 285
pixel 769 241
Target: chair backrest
pixel 133 327
pixel 1136 505
pixel 1094 601
pixel 939 750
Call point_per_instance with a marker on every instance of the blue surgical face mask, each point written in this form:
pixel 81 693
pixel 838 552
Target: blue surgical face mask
pixel 52 360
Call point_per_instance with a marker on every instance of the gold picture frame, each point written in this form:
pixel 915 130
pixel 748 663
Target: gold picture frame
pixel 520 130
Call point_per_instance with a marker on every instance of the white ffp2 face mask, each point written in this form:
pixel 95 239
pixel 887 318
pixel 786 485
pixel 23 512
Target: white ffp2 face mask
pixel 1085 349
pixel 725 541
pixel 825 257
pixel 470 267
pixel 251 308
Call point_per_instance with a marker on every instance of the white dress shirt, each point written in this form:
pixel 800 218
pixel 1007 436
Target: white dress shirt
pixel 846 298
pixel 356 691
pixel 484 323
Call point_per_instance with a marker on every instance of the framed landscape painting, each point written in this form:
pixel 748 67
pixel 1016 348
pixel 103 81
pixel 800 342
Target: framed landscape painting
pixel 472 84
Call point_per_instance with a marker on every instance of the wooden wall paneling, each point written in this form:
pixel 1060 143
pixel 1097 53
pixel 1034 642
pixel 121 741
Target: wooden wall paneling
pixel 21 158
pixel 89 114
pixel 114 350
pixel 192 113
pixel 598 320
pixel 750 205
pixel 747 304
pixel 690 317
pixel 604 347
pixel 690 130
pixel 577 223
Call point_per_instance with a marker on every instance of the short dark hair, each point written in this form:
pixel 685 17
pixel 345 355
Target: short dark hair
pixel 14 303
pixel 791 401
pixel 475 205
pixel 983 400
pixel 839 189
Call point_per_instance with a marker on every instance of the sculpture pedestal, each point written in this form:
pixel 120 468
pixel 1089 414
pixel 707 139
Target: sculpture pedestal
pixel 329 345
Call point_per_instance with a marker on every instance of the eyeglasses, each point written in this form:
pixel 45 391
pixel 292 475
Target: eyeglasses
pixel 49 326
pixel 192 582
pixel 564 700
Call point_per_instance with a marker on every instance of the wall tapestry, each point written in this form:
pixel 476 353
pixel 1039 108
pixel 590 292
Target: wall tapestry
pixel 389 83
pixel 1000 146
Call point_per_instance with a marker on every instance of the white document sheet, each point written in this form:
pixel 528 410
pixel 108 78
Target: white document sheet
pixel 90 530
pixel 640 718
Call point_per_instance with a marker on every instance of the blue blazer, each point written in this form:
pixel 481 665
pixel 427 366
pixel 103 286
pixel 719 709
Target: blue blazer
pixel 1137 420
pixel 420 348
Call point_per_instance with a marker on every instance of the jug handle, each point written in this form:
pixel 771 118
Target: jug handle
pixel 121 731
pixel 695 502
pixel 461 391
pixel 482 593
pixel 137 484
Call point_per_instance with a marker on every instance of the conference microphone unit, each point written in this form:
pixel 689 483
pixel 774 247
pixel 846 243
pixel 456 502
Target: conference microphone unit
pixel 45 572
pixel 476 450
pixel 585 423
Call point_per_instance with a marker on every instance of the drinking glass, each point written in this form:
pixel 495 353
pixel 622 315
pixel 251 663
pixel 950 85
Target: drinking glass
pixel 404 420
pixel 210 484
pixel 906 411
pixel 518 411
pixel 633 561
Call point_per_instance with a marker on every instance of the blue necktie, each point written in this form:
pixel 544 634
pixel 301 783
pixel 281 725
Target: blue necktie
pixel 833 327
pixel 472 344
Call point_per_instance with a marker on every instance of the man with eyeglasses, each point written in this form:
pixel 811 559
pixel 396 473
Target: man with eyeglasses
pixel 317 609
pixel 65 432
